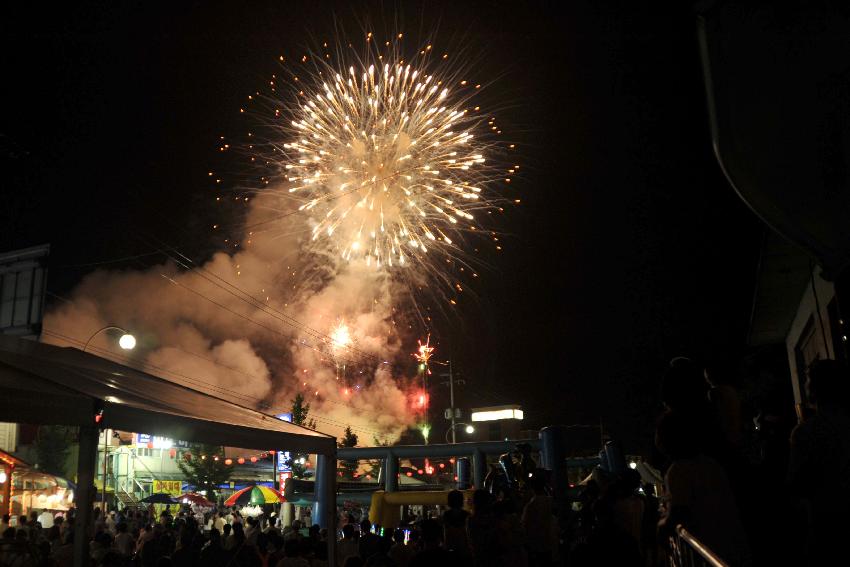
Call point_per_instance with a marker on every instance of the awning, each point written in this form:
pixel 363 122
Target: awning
pixel 47 384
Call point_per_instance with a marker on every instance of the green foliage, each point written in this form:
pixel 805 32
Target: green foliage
pixel 373 467
pixel 203 471
pixel 348 468
pixel 52 448
pixel 300 416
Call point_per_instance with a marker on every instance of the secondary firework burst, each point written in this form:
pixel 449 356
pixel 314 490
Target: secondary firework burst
pixel 389 160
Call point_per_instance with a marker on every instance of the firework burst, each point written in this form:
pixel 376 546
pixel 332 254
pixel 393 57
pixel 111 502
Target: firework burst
pixel 387 162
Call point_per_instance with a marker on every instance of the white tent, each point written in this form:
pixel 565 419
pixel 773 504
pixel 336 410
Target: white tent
pixel 45 384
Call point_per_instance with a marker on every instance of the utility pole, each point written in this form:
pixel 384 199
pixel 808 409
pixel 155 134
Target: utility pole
pixel 452 411
pixel 452 401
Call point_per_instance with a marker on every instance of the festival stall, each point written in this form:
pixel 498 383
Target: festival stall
pixel 23 488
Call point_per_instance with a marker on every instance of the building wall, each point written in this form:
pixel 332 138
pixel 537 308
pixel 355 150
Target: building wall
pixel 9 437
pixel 810 336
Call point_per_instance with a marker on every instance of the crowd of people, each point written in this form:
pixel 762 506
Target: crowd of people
pixel 784 511
pixel 781 506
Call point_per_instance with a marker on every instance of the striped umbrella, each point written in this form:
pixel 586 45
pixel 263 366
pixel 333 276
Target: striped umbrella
pixel 255 495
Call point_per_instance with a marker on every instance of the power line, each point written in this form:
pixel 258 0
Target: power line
pixel 202 383
pixel 258 304
pixel 300 344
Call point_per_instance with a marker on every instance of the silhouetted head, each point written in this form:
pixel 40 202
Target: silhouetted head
pixel 683 387
pixel 455 499
pixel 481 501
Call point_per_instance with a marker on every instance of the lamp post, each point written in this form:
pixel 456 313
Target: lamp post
pixel 469 429
pixel 126 342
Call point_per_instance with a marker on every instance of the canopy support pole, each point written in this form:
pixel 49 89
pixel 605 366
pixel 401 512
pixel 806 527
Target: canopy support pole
pixel 84 495
pixel 326 500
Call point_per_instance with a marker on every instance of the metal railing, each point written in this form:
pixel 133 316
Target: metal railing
pixel 687 551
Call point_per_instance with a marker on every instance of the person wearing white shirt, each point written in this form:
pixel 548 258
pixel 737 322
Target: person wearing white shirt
pixel 45 519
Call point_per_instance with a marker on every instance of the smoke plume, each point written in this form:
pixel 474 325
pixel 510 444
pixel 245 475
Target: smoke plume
pixel 253 326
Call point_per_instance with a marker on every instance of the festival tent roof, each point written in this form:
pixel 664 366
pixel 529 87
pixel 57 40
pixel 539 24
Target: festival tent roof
pixel 46 384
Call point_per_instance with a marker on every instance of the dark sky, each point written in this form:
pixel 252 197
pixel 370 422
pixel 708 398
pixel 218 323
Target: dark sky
pixel 629 249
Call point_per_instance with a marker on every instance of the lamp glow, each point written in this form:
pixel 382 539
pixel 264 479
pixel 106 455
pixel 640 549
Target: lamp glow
pixel 127 341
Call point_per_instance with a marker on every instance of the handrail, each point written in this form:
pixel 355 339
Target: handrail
pixel 693 545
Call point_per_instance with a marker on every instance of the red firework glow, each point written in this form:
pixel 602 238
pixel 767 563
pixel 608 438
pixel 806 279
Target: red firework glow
pixel 419 400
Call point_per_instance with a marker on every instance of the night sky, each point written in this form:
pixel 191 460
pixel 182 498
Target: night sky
pixel 629 247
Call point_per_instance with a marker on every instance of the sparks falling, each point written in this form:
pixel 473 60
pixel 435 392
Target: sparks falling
pixel 340 337
pixel 384 159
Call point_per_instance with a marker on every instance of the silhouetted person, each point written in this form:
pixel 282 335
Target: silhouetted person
pixel 348 546
pixel 683 387
pixel 369 542
pixel 432 553
pixel 819 462
pixel 537 520
pixel 700 497
pixel 399 552
pixel 607 544
pixel 454 525
pixel 483 529
pixel 213 555
pixel 726 403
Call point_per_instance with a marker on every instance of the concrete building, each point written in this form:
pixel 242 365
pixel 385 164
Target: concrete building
pixel 795 308
pixel 497 423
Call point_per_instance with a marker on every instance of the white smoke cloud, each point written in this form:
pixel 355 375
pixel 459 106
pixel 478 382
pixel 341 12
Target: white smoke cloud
pixel 194 328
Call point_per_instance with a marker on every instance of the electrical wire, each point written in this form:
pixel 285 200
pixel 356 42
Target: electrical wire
pixel 202 383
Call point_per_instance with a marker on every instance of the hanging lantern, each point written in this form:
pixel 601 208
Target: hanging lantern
pixel 241 460
pixel 228 462
pixel 253 459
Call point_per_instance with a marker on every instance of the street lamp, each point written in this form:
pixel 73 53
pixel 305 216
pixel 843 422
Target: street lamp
pixel 470 429
pixel 126 341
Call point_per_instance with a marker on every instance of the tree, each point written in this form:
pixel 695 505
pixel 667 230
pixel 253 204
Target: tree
pixel 203 470
pixel 52 448
pixel 300 416
pixel 374 466
pixel 346 467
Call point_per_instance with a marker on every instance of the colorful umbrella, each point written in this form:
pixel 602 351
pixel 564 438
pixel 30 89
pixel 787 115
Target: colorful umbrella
pixel 194 498
pixel 255 495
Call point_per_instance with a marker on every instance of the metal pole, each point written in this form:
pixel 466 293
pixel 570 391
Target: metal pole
pixel 326 500
pixel 479 468
pixel 391 472
pixel 103 488
pixel 452 400
pixel 84 496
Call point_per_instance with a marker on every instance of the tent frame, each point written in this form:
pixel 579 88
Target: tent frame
pixel 48 385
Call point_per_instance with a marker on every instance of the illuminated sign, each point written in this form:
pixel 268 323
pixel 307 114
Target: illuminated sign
pixel 281 478
pixel 497 414
pixel 167 486
pixel 283 457
pixel 157 442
